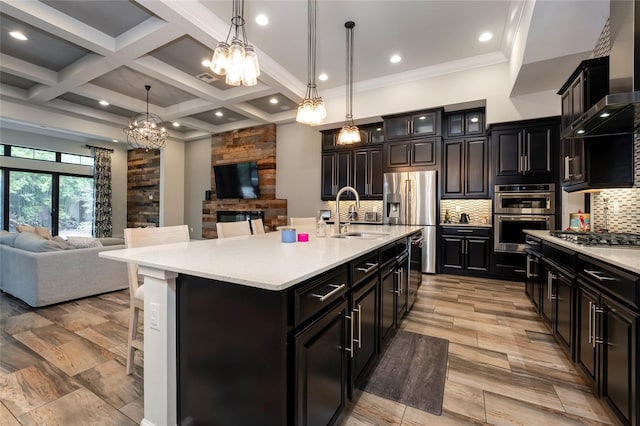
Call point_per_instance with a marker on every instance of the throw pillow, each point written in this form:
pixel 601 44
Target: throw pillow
pixel 63 243
pixel 25 228
pixel 43 232
pixel 111 241
pixel 84 242
pixel 30 241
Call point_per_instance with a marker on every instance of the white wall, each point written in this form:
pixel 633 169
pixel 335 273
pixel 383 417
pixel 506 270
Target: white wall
pixel 197 180
pixel 172 178
pixel 298 161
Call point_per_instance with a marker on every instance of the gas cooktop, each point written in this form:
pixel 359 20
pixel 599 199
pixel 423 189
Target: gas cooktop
pixel 600 239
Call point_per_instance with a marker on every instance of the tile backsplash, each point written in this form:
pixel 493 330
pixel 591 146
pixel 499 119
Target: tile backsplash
pixel 476 209
pixel 365 206
pixel 624 206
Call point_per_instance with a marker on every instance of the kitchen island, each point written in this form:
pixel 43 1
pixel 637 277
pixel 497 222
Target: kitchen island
pixel 223 318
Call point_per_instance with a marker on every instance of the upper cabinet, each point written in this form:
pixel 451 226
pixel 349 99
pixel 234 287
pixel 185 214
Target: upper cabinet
pixel 464 123
pixel 465 166
pixel 586 86
pixel 425 123
pixel 369 134
pixel 525 151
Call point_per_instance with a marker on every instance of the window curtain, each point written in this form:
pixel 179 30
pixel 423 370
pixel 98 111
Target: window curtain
pixel 102 225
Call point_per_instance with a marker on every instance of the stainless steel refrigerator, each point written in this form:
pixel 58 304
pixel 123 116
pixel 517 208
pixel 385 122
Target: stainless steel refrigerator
pixel 410 199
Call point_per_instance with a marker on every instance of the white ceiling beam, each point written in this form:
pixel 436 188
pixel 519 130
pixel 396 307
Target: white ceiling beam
pixel 27 70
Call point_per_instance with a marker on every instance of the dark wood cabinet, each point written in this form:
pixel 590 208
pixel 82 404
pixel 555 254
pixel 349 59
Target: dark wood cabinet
pixel 463 123
pixel 525 151
pixel 321 368
pixel 587 85
pixel 533 272
pixel 403 126
pixel 573 162
pixel 364 312
pixel 556 306
pixel 465 168
pixel 387 299
pixel 465 250
pixel 368 172
pixel 369 134
pixel 336 173
pixel 412 153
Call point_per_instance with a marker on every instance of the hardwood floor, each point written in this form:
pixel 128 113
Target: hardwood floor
pixel 65 364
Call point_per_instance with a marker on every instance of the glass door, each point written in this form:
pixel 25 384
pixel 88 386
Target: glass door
pixel 30 199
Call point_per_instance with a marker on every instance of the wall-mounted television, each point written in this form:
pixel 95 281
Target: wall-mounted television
pixel 238 180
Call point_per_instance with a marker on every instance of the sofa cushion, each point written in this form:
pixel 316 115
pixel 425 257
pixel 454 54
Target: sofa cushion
pixel 111 241
pixel 84 242
pixel 25 228
pixel 8 238
pixel 31 241
pixel 63 243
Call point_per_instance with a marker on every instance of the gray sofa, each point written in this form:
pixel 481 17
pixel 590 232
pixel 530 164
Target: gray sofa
pixel 56 273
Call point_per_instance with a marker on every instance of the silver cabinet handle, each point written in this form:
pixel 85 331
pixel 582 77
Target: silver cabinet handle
pixel 598 275
pixel 371 267
pixel 336 288
pixel 596 311
pixel 350 348
pixel 527 163
pixel 550 278
pixel 359 339
pixel 465 231
pixel 590 321
pixel 567 167
pixel 528 267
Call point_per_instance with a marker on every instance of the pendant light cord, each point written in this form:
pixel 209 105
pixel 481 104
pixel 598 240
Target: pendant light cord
pixel 349 26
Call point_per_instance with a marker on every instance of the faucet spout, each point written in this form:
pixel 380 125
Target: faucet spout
pixel 340 192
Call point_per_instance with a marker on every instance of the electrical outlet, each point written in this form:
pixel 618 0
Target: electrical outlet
pixel 616 208
pixel 457 209
pixel 154 316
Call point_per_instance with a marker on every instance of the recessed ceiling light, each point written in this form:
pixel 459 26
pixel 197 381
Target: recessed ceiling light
pixel 176 124
pixel 262 20
pixel 273 101
pixel 114 140
pixel 323 77
pixel 206 63
pixel 485 36
pixel 395 59
pixel 219 114
pixel 104 103
pixel 18 35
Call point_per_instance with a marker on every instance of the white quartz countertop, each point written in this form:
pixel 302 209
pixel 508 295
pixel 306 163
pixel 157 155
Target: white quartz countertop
pixel 472 224
pixel 261 260
pixel 627 258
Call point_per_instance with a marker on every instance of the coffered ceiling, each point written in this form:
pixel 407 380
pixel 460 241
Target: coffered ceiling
pixel 81 52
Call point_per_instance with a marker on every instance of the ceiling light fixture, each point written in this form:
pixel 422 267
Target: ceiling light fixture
pixel 175 124
pixel 18 35
pixel 238 60
pixel 311 110
pixel 323 77
pixel 144 129
pixel 395 59
pixel 104 103
pixel 349 133
pixel 273 101
pixel 262 20
pixel 485 36
pixel 219 114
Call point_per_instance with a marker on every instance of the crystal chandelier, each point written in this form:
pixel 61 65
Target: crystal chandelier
pixel 349 133
pixel 311 110
pixel 144 130
pixel 238 60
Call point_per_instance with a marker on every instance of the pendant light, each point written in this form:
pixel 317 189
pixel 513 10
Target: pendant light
pixel 145 131
pixel 311 110
pixel 349 133
pixel 238 60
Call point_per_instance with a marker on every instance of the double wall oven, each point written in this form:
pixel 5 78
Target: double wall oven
pixel 519 207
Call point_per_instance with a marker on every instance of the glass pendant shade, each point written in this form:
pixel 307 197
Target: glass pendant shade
pixel 220 59
pixel 311 109
pixel 349 133
pixel 237 60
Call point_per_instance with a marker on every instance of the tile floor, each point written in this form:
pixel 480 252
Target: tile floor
pixel 65 364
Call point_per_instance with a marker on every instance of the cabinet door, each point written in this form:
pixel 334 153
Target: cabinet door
pixel 474 123
pixel 452 252
pixel 548 289
pixel 328 175
pixel 577 161
pixel 402 288
pixel 453 168
pixel 563 318
pixel 397 127
pixel 423 152
pixel 620 359
pixel 376 173
pixel 475 168
pixel 585 348
pixel 398 154
pixel 320 367
pixel 343 171
pixel 506 144
pixel 538 156
pixel 565 102
pixel 329 139
pixel 577 101
pixel 364 312
pixel 455 125
pixel 424 124
pixel 361 171
pixel 387 300
pixel 477 254
pixel 533 280
pixel 376 134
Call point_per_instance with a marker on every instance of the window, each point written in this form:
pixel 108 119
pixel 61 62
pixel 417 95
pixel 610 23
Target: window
pixel 75 212
pixel 1 196
pixel 30 197
pixel 76 159
pixel 33 154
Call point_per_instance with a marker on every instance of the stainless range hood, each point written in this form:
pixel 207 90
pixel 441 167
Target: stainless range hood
pixel 619 112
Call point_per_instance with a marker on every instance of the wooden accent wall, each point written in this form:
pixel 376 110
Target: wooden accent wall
pixel 252 144
pixel 143 188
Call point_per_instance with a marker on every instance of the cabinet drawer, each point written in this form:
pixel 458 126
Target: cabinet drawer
pixel 387 253
pixel 609 279
pixel 364 267
pixel 466 231
pixel 313 297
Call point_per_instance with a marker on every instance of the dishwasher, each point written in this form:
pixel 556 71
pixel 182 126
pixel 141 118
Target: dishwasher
pixel 416 242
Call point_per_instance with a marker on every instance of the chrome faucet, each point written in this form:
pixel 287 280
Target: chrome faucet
pixel 343 189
